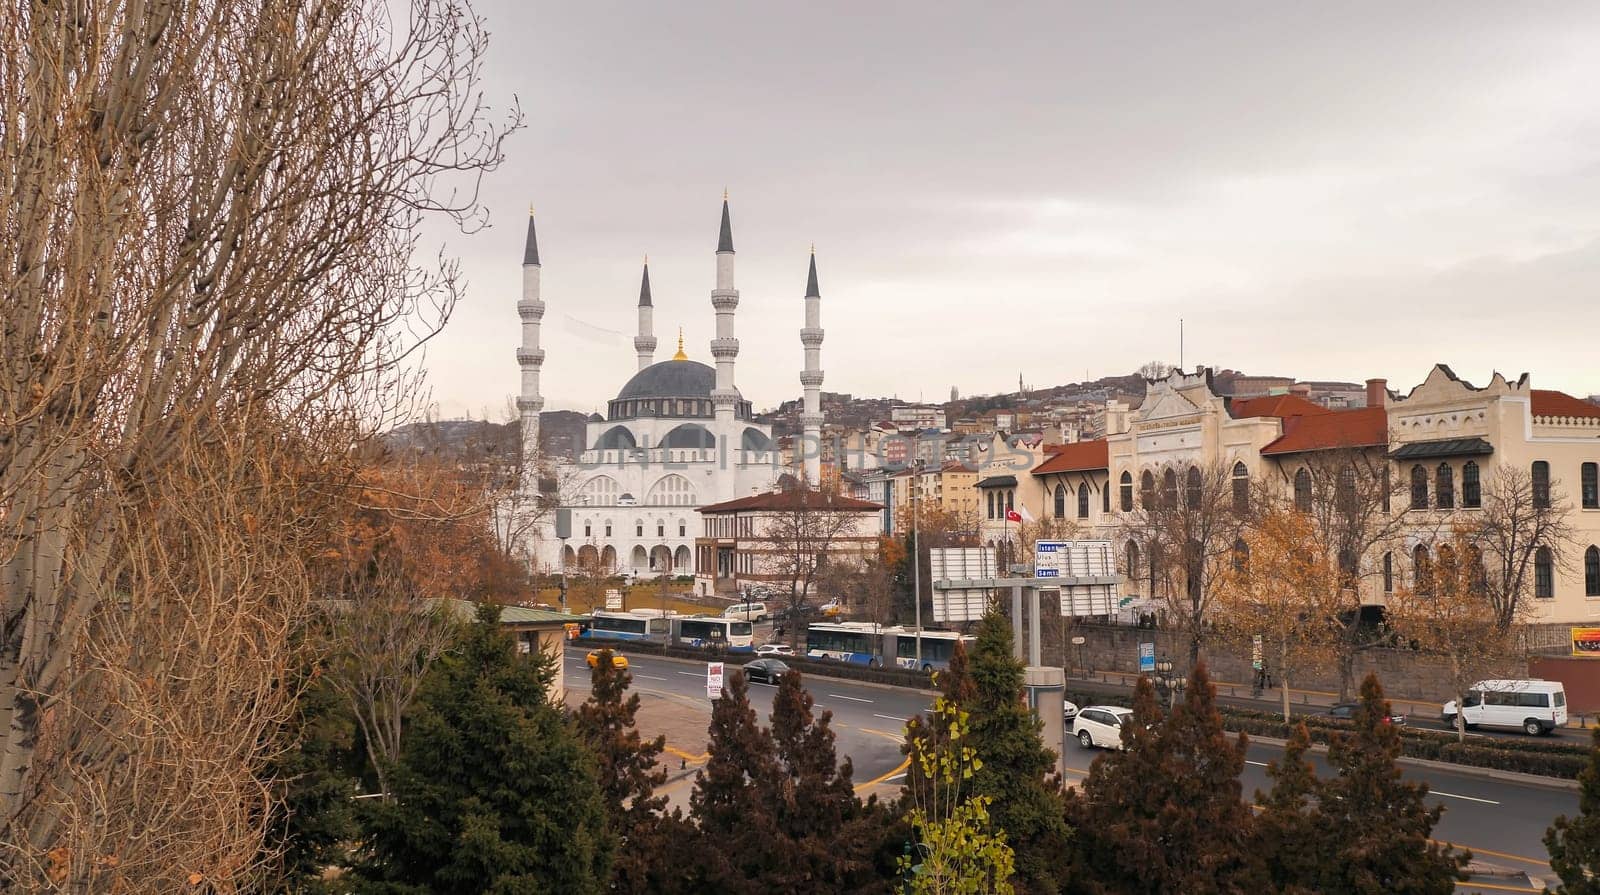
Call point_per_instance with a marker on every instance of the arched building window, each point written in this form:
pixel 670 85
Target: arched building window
pixel 1192 487
pixel 1419 488
pixel 1541 485
pixel 1126 487
pixel 1105 498
pixel 1302 490
pixel 1241 555
pixel 1471 486
pixel 1388 573
pixel 1544 573
pixel 1061 501
pixel 1591 486
pixel 1169 489
pixel 1444 487
pixel 1344 495
pixel 1083 501
pixel 990 504
pixel 1591 571
pixel 1133 561
pixel 1241 488
pixel 1421 570
pixel 1147 490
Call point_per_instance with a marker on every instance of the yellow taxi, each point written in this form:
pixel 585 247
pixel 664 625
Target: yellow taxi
pixel 617 659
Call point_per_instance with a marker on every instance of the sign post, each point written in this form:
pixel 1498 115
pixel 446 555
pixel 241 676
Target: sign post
pixel 1147 658
pixel 713 680
pixel 613 599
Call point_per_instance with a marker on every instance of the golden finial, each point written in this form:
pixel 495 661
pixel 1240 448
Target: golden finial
pixel 813 248
pixel 724 194
pixel 646 259
pixel 680 355
pixel 530 209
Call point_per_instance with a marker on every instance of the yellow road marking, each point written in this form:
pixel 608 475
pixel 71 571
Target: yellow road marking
pixel 1495 886
pixel 906 763
pixel 687 757
pixel 1499 854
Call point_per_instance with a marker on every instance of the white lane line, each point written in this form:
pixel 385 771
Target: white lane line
pixel 889 718
pixel 899 776
pixel 837 696
pixel 1451 795
pixel 1259 764
pixel 652 677
pixel 692 673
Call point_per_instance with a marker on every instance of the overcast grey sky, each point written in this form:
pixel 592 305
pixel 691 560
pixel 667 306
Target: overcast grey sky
pixel 1332 191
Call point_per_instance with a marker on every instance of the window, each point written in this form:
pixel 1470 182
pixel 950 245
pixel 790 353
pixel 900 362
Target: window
pixel 990 495
pixel 1105 498
pixel 1192 487
pixel 1386 488
pixel 661 529
pixel 638 528
pixel 1591 486
pixel 587 530
pixel 1471 486
pixel 1419 488
pixel 1344 495
pixel 1591 571
pixel 1478 578
pixel 1133 561
pixel 1083 501
pixel 1302 490
pixel 683 528
pixel 1444 487
pixel 1544 573
pixel 608 529
pixel 1241 555
pixel 1388 573
pixel 1127 492
pixel 1154 566
pixel 1169 489
pixel 1541 485
pixel 1349 567
pixel 1447 565
pixel 1147 490
pixel 1061 501
pixel 1421 570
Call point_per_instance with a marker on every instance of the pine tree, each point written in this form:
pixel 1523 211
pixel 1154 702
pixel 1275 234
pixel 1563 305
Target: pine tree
pixel 316 778
pixel 628 773
pixel 734 803
pixel 1166 814
pixel 1018 771
pixel 1286 833
pixel 1375 825
pixel 1574 842
pixel 493 792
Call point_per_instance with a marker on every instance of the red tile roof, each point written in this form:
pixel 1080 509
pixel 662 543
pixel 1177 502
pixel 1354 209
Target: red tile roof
pixel 1330 430
pixel 1080 456
pixel 791 499
pixel 1547 402
pixel 1280 406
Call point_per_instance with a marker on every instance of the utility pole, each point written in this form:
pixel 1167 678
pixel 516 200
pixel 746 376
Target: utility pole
pixel 916 554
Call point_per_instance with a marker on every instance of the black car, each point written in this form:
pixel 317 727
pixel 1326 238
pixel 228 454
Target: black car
pixel 767 671
pixel 1345 711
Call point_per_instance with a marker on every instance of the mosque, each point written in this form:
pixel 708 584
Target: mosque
pixel 679 435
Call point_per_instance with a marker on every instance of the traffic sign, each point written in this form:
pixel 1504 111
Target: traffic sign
pixel 713 680
pixel 613 599
pixel 1147 657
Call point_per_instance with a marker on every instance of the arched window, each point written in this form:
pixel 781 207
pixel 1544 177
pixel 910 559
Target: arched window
pixel 1105 498
pixel 1591 571
pixel 1133 561
pixel 1083 501
pixel 683 529
pixel 1591 486
pixel 671 490
pixel 1541 485
pixel 588 529
pixel 1349 566
pixel 1169 488
pixel 1388 573
pixel 1344 495
pixel 1126 488
pixel 608 528
pixel 1147 490
pixel 1544 573
pixel 1477 576
pixel 1302 490
pixel 1241 488
pixel 990 496
pixel 1471 486
pixel 1241 555
pixel 1192 487
pixel 1419 488
pixel 1421 570
pixel 1447 566
pixel 1061 501
pixel 601 490
pixel 1444 487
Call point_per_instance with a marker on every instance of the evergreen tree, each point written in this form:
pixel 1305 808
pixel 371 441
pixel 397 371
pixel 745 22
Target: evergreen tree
pixel 1018 771
pixel 734 804
pixel 316 778
pixel 1574 842
pixel 1286 833
pixel 628 773
pixel 493 792
pixel 1375 825
pixel 1166 815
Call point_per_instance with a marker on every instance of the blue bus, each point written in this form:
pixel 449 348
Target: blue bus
pixel 627 626
pixel 732 634
pixel 862 643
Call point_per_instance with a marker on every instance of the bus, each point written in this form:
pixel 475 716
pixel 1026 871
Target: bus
pixel 732 634
pixel 862 643
pixel 640 625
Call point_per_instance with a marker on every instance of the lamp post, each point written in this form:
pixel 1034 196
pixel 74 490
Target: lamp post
pixel 1168 686
pixel 916 553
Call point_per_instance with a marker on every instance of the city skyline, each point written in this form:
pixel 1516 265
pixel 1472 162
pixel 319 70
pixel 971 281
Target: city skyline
pixel 1324 194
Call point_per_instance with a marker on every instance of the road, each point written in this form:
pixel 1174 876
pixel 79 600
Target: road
pixel 1501 821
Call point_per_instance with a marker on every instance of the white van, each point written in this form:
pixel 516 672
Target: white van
pixel 1535 706
pixel 754 612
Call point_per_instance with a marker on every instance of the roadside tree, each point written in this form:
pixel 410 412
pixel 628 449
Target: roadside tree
pixel 1574 842
pixel 959 848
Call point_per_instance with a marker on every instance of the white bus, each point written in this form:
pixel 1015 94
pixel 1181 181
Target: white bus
pixel 732 634
pixel 645 624
pixel 862 643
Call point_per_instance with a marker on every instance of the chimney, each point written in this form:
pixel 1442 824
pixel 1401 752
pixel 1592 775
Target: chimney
pixel 1300 389
pixel 1377 392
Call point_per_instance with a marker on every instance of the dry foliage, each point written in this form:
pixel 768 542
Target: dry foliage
pixel 209 216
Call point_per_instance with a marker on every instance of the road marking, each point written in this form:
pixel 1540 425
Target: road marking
pixel 899 776
pixel 831 695
pixel 691 674
pixel 1499 854
pixel 1494 887
pixel 1259 764
pixel 1451 795
pixel 890 717
pixel 899 770
pixel 687 757
pixel 652 677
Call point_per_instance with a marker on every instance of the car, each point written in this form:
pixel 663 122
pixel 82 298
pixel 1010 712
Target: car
pixel 831 608
pixel 1069 711
pixel 1100 725
pixel 767 671
pixel 775 649
pixel 617 659
pixel 1535 706
pixel 753 612
pixel 1345 711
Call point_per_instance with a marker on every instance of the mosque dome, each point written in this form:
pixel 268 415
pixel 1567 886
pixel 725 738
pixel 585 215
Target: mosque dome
pixel 671 379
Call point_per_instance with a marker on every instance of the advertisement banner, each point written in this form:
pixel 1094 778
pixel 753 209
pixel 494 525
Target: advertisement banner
pixel 713 680
pixel 1586 642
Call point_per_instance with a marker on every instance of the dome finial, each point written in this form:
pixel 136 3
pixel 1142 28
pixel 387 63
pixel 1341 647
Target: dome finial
pixel 680 355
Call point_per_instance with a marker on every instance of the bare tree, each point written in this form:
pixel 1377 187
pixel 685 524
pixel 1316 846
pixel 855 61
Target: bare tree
pixel 1519 519
pixel 210 234
pixel 801 536
pixel 1186 525
pixel 1154 369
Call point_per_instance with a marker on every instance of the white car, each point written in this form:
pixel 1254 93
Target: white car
pixel 1100 725
pixel 1069 711
pixel 1536 706
pixel 775 649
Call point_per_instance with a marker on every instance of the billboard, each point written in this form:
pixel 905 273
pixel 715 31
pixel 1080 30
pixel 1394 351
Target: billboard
pixel 1093 564
pixel 1586 642
pixel 958 564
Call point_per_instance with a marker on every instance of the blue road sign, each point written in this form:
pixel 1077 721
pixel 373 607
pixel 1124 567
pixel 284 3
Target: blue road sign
pixel 1147 657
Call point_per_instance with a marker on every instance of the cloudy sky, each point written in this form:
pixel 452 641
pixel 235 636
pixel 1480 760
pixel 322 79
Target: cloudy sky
pixel 1328 191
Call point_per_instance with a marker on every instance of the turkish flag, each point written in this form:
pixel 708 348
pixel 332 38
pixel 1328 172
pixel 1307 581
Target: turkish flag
pixel 1013 516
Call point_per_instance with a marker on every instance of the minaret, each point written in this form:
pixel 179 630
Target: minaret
pixel 811 379
pixel 530 357
pixel 645 342
pixel 725 348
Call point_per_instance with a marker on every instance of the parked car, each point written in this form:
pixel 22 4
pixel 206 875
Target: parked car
pixel 1344 711
pixel 775 649
pixel 617 659
pixel 1536 706
pixel 753 612
pixel 1100 725
pixel 767 671
pixel 831 608
pixel 1069 711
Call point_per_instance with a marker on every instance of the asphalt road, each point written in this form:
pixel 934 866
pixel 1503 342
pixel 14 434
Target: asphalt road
pixel 1501 821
